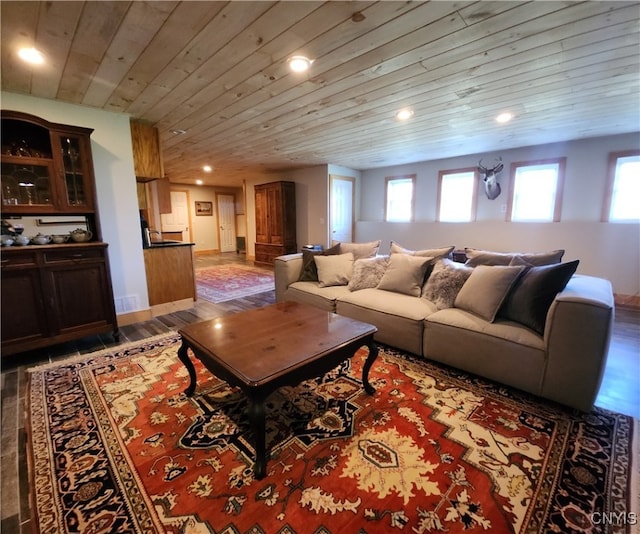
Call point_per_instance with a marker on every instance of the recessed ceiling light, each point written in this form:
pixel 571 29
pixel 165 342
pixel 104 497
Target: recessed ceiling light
pixel 207 168
pixel 404 114
pixel 199 182
pixel 504 117
pixel 31 55
pixel 299 63
pixel 178 132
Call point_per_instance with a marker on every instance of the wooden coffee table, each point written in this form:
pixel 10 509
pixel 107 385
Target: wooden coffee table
pixel 266 348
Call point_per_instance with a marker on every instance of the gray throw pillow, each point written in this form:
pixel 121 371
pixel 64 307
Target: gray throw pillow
pixel 367 272
pixel 334 270
pixel 444 282
pixel 485 290
pixel 532 295
pixel 405 274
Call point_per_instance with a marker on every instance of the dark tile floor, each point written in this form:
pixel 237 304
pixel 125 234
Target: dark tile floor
pixel 619 391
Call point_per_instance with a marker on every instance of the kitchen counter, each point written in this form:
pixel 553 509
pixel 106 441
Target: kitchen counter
pixel 170 276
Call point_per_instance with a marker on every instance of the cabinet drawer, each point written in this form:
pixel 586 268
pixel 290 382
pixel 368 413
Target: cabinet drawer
pixel 57 256
pixel 19 258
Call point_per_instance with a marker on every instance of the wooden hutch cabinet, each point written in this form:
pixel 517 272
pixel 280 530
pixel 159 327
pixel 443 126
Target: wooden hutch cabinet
pixel 275 220
pixel 51 293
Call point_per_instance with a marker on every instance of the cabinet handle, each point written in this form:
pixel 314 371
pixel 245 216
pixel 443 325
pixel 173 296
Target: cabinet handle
pixel 77 255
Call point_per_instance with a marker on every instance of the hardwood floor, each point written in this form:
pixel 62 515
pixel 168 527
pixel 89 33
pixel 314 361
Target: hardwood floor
pixel 619 392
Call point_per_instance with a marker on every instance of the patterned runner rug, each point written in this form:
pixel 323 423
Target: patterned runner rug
pixel 228 282
pixel 115 446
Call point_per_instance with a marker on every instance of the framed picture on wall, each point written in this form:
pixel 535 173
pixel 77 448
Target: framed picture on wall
pixel 204 208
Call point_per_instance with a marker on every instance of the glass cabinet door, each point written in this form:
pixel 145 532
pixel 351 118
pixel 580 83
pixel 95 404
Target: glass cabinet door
pixel 26 183
pixel 74 171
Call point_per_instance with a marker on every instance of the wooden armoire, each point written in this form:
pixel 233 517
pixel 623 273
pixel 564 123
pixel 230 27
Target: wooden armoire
pixel 275 220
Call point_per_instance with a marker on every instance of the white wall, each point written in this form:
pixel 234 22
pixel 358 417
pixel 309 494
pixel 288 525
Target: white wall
pixel 608 250
pixel 115 189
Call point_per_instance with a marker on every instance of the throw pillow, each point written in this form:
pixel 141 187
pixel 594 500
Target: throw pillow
pixel 445 281
pixel 309 271
pixel 442 252
pixel 532 295
pixel 486 289
pixel 334 270
pixel 360 250
pixel 405 274
pixel 487 257
pixel 368 272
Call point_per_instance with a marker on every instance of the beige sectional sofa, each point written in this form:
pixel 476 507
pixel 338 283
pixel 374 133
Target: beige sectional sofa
pixel 560 357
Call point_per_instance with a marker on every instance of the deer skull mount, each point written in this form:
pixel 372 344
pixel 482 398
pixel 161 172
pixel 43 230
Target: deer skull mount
pixel 490 178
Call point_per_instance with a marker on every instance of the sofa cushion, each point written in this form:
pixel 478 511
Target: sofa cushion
pixel 334 270
pixel 532 295
pixel 309 271
pixel 405 274
pixel 442 252
pixel 367 272
pixel 311 293
pixel 486 289
pixel 477 257
pixel 360 250
pixel 444 282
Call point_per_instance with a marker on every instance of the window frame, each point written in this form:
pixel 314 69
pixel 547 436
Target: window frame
pixel 557 208
pixel 611 178
pixel 474 192
pixel 389 179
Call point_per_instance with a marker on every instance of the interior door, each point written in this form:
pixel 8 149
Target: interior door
pixel 226 222
pixel 342 208
pixel 178 219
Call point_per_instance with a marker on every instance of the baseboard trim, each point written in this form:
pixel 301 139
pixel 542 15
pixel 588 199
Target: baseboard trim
pixel 627 301
pixel 206 252
pixel 139 316
pixel 171 307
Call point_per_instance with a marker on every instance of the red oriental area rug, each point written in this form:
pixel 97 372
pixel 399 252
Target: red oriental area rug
pixel 116 446
pixel 228 282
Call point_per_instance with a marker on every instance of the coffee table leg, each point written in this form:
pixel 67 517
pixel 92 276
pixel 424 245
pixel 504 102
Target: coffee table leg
pixel 373 354
pixel 184 358
pixel 257 420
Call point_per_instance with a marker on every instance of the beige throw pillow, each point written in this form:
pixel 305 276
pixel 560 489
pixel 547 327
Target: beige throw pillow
pixel 334 270
pixel 405 274
pixel 485 290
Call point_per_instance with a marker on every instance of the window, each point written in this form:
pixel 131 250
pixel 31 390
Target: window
pixel 457 195
pixel 623 188
pixel 536 190
pixel 400 198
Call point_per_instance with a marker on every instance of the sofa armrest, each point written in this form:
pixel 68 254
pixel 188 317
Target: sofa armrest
pixel 287 270
pixel 577 336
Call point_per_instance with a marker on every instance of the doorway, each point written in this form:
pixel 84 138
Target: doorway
pixel 342 208
pixel 177 222
pixel 226 222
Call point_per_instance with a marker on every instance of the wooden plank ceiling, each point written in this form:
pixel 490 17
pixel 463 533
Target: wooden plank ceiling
pixel 218 71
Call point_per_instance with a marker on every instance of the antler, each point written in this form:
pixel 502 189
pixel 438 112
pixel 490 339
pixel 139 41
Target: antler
pixel 482 169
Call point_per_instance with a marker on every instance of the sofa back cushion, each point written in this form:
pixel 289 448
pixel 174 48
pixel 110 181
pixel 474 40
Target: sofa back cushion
pixel 477 257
